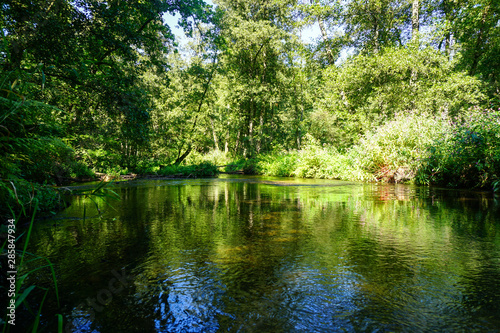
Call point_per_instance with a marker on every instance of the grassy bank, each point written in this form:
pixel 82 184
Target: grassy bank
pixel 422 149
pixel 19 195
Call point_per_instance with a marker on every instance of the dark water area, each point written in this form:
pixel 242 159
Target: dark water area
pixel 250 254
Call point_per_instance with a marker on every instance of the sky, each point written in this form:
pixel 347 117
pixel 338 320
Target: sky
pixel 308 35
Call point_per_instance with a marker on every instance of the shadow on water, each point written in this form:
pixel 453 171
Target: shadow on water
pixel 250 254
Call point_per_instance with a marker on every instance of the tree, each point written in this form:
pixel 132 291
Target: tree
pixel 373 24
pixel 256 71
pixel 415 18
pixel 478 34
pixel 92 55
pixel 327 14
pixel 371 89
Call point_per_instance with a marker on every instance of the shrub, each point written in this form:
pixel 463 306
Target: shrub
pixel 247 166
pixel 216 157
pixel 394 151
pixel 147 166
pixel 468 155
pixel 21 196
pixel 281 165
pixel 77 169
pixel 204 169
pixel 313 161
pixel 101 159
pixel 328 163
pixel 235 166
pixel 43 160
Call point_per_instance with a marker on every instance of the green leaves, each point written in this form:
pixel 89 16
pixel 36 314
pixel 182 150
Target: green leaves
pixel 368 90
pixel 468 155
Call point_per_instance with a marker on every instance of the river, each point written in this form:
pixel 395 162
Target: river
pixel 253 254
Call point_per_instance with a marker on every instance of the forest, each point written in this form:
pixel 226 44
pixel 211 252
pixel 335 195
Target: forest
pixel 388 90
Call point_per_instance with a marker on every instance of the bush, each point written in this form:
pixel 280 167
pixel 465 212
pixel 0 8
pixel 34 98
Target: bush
pixel 328 163
pixel 247 166
pixel 201 170
pixel 101 160
pixel 394 151
pixel 235 166
pixel 216 157
pixel 468 155
pixel 43 160
pixel 77 169
pixel 148 166
pixel 313 161
pixel 21 196
pixel 281 165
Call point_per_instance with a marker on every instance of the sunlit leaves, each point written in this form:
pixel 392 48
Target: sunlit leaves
pixel 368 90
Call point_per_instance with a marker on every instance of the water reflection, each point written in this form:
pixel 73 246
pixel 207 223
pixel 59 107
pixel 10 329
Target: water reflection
pixel 280 256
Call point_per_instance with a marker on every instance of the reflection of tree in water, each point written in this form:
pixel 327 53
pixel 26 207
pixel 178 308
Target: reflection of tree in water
pixel 257 257
pixel 481 289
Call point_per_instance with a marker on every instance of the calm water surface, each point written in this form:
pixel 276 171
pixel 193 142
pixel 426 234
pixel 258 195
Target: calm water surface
pixel 276 255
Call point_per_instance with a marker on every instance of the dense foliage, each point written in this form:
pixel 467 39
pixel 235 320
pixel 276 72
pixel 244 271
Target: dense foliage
pixel 462 151
pixel 368 91
pixel 384 93
pixel 389 90
pixel 468 154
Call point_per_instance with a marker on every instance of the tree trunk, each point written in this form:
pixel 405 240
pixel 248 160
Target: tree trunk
pixel 261 129
pixel 449 46
pixel 183 156
pixel 299 132
pixel 237 144
pixel 329 53
pixel 250 136
pixel 321 23
pixel 216 141
pixel 376 36
pixel 249 144
pixel 415 26
pixel 226 144
pixel 415 18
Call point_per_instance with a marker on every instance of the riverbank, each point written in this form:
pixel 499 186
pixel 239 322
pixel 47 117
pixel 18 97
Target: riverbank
pixel 413 148
pixel 21 197
pixel 419 149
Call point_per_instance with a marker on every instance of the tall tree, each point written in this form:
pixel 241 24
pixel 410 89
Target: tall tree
pixel 373 24
pixel 92 54
pixel 259 35
pixel 478 33
pixel 327 16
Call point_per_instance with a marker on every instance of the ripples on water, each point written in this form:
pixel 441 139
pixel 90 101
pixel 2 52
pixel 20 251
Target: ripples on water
pixel 245 255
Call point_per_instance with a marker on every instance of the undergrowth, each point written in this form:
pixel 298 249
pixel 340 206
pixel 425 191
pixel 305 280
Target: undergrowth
pixel 462 151
pixel 204 169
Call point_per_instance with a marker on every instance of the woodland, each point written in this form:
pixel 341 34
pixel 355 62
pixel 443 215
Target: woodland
pixel 389 90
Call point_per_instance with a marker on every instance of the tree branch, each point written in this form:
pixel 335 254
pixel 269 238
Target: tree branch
pixel 143 26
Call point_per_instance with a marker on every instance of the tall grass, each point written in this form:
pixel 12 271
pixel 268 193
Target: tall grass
pixel 23 291
pixel 29 263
